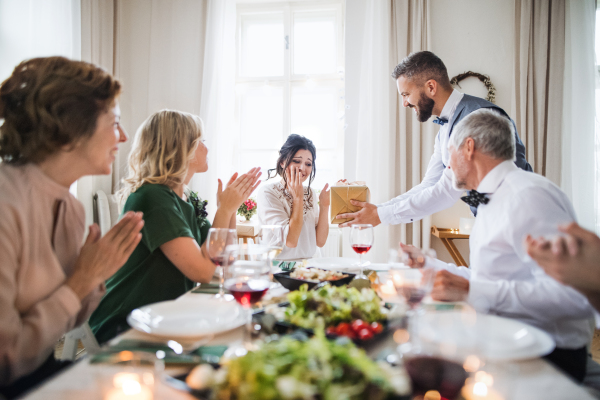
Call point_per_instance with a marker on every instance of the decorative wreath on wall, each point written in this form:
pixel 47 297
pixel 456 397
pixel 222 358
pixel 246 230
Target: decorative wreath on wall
pixel 491 96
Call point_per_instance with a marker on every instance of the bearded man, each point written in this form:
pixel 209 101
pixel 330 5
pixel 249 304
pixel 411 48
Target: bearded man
pixel 424 86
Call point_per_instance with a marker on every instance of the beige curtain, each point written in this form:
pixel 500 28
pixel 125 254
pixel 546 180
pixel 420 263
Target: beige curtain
pixel 537 105
pixel 97 46
pixel 412 141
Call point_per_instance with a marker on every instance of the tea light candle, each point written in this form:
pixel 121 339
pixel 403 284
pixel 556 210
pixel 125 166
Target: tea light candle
pixel 466 225
pixel 480 391
pixel 387 290
pixel 128 387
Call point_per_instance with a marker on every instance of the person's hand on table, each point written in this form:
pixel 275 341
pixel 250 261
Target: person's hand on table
pixel 238 189
pixel 366 215
pixel 100 258
pixel 573 259
pixel 449 287
pixel 412 256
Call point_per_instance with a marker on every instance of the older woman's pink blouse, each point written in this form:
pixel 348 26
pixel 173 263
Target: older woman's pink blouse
pixel 41 232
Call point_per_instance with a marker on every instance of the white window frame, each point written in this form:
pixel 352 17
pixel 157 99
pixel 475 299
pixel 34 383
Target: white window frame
pixel 246 10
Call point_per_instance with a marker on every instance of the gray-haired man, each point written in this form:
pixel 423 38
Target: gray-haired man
pixel 512 203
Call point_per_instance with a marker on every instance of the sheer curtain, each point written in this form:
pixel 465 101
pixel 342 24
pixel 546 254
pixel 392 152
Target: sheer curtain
pixel 217 103
pixel 578 166
pixel 385 145
pixel 37 28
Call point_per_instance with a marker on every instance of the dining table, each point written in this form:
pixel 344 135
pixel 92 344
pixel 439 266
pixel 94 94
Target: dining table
pixel 531 379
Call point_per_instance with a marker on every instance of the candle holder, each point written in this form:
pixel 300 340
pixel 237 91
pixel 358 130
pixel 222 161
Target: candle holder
pixel 129 376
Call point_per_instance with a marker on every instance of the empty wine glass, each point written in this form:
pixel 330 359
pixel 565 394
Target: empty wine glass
pixel 361 240
pixel 217 243
pixel 271 236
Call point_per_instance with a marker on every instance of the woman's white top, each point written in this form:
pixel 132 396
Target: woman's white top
pixel 275 208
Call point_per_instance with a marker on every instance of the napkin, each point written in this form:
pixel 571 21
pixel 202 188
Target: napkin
pixel 208 288
pixel 203 353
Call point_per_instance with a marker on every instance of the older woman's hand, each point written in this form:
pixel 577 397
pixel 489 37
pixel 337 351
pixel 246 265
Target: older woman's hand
pixel 100 258
pixel 238 190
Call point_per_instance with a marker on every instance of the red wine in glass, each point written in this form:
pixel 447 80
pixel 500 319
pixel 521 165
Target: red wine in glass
pixel 361 248
pixel 412 295
pixel 434 373
pixel 218 260
pixel 247 292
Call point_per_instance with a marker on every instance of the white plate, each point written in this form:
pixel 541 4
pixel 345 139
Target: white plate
pixel 335 263
pixel 187 318
pixel 495 337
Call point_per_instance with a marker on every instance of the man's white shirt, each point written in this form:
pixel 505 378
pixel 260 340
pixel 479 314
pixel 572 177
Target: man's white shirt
pixel 504 280
pixel 435 192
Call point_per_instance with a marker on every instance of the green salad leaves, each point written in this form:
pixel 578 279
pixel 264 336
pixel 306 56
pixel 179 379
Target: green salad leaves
pixel 331 305
pixel 295 369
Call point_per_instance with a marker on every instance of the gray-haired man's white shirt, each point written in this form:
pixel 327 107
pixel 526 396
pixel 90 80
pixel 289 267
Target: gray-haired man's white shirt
pixel 435 192
pixel 503 279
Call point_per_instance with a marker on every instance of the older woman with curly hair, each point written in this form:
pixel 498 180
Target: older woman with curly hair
pixel 61 122
pixel 167 152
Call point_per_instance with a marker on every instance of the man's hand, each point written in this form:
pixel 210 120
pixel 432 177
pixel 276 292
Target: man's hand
pixel 449 287
pixel 366 215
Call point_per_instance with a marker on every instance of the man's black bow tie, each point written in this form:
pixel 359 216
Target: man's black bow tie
pixel 474 199
pixel 440 121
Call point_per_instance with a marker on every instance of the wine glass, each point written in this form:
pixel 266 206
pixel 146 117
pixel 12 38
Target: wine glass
pixel 217 245
pixel 361 240
pixel 272 237
pixel 248 279
pixel 413 284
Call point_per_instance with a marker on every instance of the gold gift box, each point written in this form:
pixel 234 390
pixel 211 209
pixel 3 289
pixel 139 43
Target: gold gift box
pixel 340 200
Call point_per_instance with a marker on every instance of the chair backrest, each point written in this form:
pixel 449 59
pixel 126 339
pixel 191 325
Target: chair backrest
pixel 102 214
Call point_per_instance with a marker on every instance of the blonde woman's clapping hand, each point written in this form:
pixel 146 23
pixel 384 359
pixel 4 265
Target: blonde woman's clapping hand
pixel 238 189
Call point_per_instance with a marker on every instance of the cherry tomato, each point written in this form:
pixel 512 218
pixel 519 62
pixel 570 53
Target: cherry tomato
pixel 358 325
pixel 376 327
pixel 343 329
pixel 365 334
pixel 331 331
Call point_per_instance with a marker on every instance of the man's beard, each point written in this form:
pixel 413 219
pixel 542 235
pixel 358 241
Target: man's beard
pixel 424 108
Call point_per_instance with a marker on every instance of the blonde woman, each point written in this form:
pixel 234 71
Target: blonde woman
pixel 168 150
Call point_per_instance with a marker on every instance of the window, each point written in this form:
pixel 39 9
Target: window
pixel 290 79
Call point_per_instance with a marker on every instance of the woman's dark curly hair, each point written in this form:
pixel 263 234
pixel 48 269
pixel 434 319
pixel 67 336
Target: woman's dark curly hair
pixel 49 103
pixel 288 151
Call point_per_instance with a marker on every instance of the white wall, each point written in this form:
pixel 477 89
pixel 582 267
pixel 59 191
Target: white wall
pixel 474 35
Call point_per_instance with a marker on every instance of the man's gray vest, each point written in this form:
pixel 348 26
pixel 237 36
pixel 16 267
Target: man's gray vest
pixel 468 104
